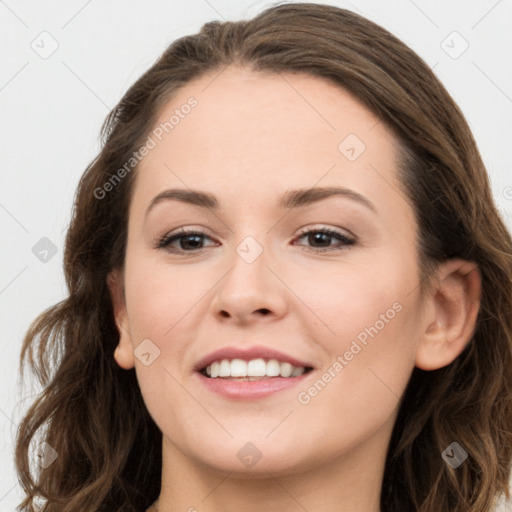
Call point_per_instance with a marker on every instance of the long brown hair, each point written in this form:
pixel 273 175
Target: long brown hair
pixel 91 411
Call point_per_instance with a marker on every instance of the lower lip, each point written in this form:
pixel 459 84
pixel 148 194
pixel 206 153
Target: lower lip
pixel 245 389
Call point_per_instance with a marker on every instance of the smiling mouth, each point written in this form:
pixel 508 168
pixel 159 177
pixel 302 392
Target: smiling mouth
pixel 253 379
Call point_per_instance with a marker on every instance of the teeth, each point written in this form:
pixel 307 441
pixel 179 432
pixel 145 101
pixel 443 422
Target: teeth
pixel 298 370
pixel 255 369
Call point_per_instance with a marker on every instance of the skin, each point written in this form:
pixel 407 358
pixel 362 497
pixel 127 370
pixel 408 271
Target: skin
pixel 252 137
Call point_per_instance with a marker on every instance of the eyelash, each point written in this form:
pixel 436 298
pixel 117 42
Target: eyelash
pixel 165 241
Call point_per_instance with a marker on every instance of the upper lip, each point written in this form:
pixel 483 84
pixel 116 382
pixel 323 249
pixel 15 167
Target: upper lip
pixel 254 352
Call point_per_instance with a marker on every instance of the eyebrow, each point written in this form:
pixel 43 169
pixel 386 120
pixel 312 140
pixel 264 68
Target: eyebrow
pixel 291 199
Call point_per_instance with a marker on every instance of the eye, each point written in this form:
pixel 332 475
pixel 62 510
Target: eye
pixel 324 236
pixel 189 240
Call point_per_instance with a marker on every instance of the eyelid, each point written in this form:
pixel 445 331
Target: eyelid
pixel 339 231
pixel 182 232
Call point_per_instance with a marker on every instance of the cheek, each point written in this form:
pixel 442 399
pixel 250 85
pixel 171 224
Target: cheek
pixel 347 298
pixel 159 296
pixel 368 368
pixel 367 330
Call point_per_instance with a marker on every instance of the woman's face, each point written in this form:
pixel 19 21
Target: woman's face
pixel 352 312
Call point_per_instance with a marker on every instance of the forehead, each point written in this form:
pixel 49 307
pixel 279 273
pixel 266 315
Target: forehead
pixel 252 134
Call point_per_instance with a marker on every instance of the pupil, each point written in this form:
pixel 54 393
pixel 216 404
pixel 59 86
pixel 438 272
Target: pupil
pixel 317 235
pixel 188 238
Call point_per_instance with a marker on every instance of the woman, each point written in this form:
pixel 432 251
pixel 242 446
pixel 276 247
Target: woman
pixel 260 370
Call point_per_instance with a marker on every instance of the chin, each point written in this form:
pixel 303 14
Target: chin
pixel 249 459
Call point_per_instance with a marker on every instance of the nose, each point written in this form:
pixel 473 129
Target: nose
pixel 251 290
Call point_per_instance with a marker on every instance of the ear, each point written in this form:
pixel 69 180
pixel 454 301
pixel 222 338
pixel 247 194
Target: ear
pixel 124 350
pixel 453 308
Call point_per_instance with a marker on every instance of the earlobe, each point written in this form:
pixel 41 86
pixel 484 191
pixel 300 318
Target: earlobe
pixel 454 306
pixel 123 353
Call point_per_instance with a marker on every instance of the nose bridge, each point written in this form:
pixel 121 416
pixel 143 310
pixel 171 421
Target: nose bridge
pixel 248 267
pixel 250 286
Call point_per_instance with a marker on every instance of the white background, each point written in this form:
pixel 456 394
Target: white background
pixel 52 109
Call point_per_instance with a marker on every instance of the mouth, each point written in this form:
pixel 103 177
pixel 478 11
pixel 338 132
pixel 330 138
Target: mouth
pixel 250 386
pixel 252 372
